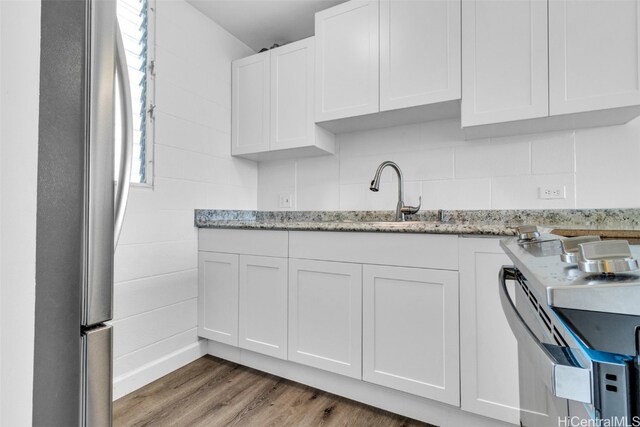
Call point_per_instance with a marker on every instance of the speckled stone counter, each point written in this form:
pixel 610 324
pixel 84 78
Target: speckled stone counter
pixel 608 222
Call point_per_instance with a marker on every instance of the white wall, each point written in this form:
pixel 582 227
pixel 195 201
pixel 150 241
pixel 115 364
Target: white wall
pixel 156 260
pixel 19 87
pixel 598 167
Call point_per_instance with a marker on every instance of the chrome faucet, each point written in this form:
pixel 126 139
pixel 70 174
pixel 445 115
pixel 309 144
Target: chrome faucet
pixel 401 209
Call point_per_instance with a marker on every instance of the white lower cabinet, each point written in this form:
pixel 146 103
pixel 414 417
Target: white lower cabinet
pixel 263 305
pixel 242 289
pixel 325 315
pixel 489 351
pixel 431 326
pixel 218 297
pixel 410 331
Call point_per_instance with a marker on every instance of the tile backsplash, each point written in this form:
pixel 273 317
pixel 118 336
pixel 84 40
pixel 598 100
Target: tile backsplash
pixel 596 167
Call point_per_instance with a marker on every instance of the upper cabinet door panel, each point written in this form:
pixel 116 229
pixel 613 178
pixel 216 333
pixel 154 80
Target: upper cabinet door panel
pixel 419 52
pixel 347 60
pixel 593 55
pixel 250 102
pixel 292 106
pixel 504 51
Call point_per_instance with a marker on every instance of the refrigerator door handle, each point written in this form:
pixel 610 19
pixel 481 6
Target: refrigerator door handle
pixel 97 372
pixel 98 218
pixel 126 139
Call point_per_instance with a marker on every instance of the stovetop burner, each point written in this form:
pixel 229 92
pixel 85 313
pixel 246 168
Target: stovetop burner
pixel 611 278
pixel 604 278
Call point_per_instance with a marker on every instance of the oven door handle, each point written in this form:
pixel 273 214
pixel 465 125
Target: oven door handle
pixel 556 367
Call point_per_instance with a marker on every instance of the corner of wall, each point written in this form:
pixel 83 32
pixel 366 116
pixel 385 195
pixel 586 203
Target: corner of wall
pixel 19 86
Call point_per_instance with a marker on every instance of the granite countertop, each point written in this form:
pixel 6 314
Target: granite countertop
pixel 609 223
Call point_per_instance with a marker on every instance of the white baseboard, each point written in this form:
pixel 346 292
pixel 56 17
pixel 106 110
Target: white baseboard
pixel 405 404
pixel 131 381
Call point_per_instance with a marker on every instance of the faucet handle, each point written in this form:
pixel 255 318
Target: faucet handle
pixel 410 210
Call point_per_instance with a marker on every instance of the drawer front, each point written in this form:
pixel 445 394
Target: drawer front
pixel 247 242
pixel 435 251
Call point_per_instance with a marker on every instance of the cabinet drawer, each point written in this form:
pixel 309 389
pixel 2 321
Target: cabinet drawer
pixel 410 250
pixel 247 242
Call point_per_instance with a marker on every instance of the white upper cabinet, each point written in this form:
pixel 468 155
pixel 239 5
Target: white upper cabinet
pixel 387 62
pixel 504 50
pixel 292 95
pixel 291 102
pixel 594 55
pixel 541 65
pixel 250 116
pixel 347 60
pixel 273 105
pixel 419 52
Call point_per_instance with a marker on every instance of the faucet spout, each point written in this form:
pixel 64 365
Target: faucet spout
pixel 375 182
pixel 401 209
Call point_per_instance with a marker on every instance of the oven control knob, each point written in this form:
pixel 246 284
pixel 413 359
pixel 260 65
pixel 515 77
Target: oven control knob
pixel 527 233
pixel 607 256
pixel 570 247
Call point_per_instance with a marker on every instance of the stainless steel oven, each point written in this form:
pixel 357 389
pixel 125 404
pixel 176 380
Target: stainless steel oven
pixel 577 366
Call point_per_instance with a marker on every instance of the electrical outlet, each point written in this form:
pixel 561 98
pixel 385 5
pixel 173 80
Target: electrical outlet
pixel 284 200
pixel 552 192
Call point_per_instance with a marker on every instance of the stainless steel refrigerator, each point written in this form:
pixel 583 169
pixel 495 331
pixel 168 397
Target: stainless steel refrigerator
pixel 79 209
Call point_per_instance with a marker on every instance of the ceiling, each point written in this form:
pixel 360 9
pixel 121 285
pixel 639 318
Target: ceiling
pixel 261 23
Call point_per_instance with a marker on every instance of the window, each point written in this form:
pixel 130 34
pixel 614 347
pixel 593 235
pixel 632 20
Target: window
pixel 136 25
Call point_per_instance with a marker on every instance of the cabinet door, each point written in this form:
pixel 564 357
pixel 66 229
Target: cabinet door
pixel 218 297
pixel 489 351
pixel 410 331
pixel 292 85
pixel 347 60
pixel 504 51
pixel 419 52
pixel 325 315
pixel 594 56
pixel 250 115
pixel 263 305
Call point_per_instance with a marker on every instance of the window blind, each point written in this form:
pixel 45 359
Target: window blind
pixel 133 20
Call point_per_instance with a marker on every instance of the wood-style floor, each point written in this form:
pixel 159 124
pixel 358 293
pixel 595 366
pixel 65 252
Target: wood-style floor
pixel 213 392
